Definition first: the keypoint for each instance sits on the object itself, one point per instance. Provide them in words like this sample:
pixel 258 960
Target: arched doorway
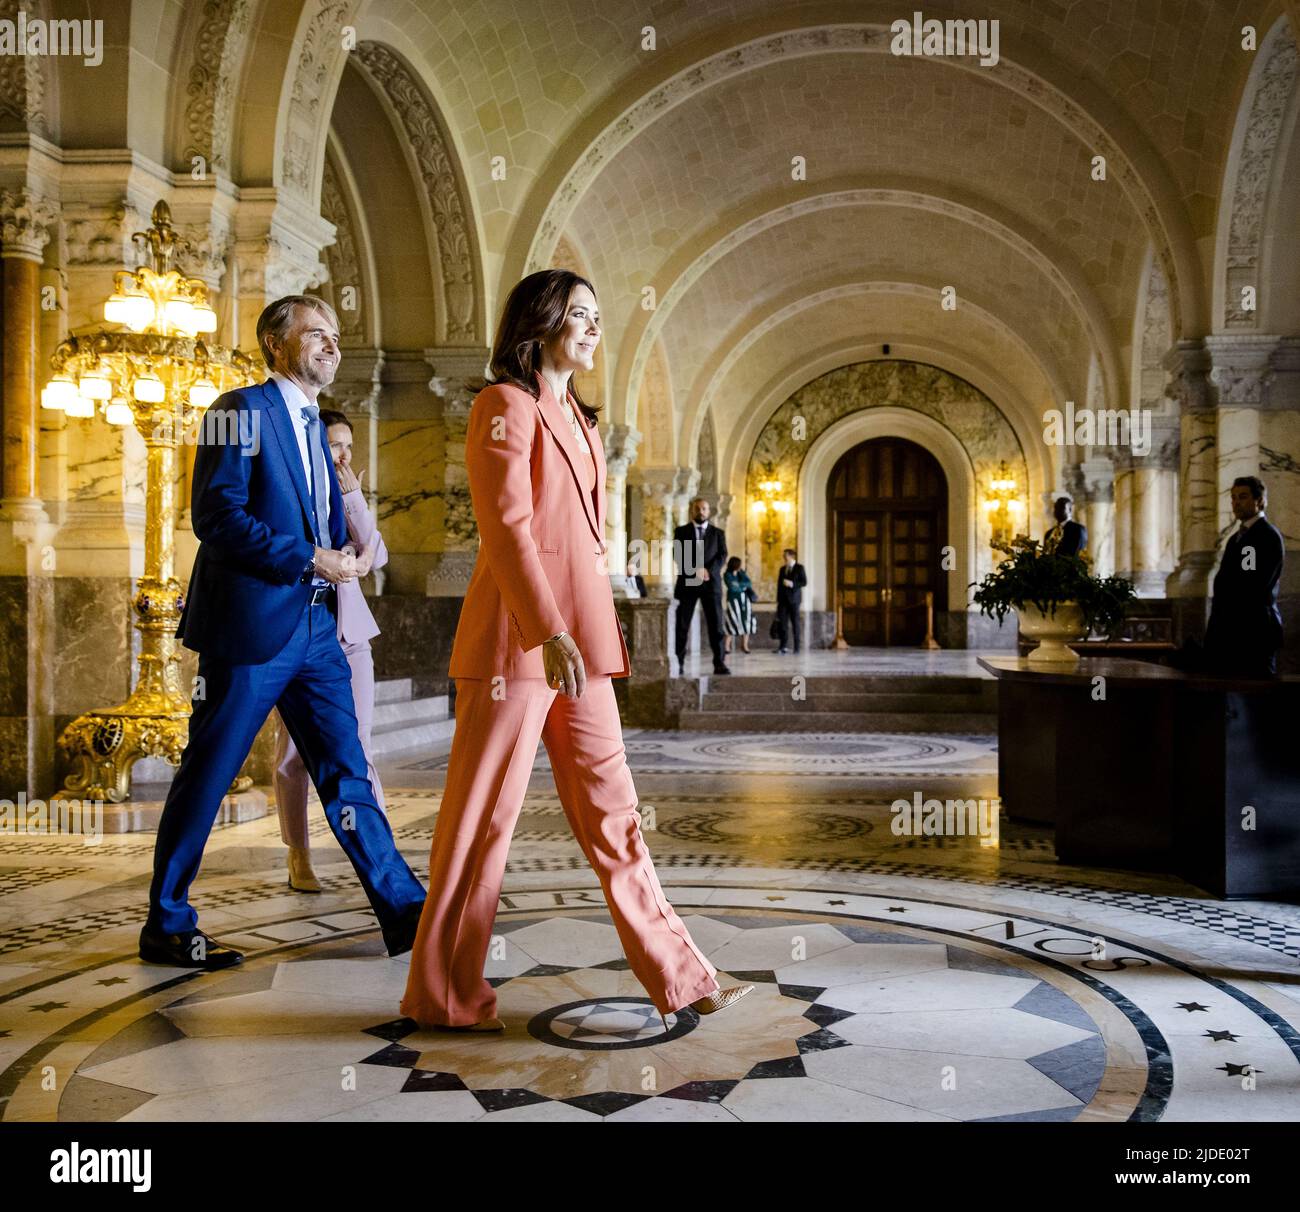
pixel 887 518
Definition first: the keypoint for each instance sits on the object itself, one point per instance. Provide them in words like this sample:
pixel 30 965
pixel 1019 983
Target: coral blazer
pixel 541 565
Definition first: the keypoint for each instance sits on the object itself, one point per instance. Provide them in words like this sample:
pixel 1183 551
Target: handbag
pixel 750 594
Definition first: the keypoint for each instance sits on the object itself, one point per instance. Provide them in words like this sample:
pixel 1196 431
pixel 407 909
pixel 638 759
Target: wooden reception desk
pixel 1145 767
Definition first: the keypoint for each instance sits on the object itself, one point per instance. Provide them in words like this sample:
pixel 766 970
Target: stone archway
pixel 887 530
pixel 863 426
pixel 802 439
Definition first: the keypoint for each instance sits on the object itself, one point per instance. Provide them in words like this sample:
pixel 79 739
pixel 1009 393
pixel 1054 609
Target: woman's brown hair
pixel 535 311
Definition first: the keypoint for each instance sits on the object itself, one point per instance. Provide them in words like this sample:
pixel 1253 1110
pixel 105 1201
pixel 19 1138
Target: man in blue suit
pixel 261 612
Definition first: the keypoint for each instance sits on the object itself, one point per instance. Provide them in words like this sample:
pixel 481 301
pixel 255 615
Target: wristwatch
pixel 309 571
pixel 555 637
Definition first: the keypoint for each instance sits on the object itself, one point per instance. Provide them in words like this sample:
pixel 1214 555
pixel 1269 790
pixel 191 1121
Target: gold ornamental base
pixel 104 745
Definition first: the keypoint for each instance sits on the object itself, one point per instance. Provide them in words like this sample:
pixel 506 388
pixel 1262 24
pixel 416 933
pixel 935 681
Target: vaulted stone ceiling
pixel 670 169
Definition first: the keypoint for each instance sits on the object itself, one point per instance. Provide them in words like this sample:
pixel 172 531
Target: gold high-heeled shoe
pixel 711 1003
pixel 301 876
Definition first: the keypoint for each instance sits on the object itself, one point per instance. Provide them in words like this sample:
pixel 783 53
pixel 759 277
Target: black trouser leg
pixel 685 612
pixel 712 604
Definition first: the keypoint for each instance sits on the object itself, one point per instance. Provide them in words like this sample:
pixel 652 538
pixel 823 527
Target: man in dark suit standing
pixel 1245 628
pixel 261 612
pixel 1067 537
pixel 790 582
pixel 700 550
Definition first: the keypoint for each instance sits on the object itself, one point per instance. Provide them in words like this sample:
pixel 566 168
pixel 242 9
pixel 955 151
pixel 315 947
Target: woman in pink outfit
pixel 535 651
pixel 357 627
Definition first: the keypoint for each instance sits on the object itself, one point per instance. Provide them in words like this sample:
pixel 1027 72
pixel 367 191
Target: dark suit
pixel 691 556
pixel 788 601
pixel 1074 539
pixel 263 643
pixel 1245 628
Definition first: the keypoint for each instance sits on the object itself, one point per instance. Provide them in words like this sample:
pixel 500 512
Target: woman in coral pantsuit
pixel 537 644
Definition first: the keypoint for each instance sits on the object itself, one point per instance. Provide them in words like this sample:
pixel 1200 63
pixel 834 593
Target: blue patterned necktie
pixel 319 475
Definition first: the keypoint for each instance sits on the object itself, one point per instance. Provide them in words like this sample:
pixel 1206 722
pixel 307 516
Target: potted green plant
pixel 1055 596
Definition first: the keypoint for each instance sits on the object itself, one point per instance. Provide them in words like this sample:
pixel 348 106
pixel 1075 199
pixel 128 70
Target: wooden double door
pixel 888 505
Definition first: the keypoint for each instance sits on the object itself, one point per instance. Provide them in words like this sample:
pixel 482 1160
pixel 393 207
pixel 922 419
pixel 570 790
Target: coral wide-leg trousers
pixel 491 758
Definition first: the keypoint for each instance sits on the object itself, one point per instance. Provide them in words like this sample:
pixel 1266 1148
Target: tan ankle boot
pixel 301 876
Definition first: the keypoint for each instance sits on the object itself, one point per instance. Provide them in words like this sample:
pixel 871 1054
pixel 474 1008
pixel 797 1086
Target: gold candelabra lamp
pixel 1003 505
pixel 157 372
pixel 772 509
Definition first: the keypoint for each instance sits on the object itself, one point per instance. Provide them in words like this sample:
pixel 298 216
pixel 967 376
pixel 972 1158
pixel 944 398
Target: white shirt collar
pixel 294 397
pixel 1249 522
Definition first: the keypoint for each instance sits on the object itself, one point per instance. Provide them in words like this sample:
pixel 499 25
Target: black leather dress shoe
pixel 720 669
pixel 192 949
pixel 400 938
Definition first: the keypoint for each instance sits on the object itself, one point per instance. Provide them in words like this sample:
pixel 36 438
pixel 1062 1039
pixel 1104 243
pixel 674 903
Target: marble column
pixel 1257 381
pixel 620 443
pixel 1153 490
pixel 1123 553
pixel 25 221
pixel 1098 501
pixel 355 393
pixel 1188 364
pixel 26 551
pixel 654 549
pixel 455 371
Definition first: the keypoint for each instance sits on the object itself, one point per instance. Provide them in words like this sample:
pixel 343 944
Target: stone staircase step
pixel 392 690
pixel 409 723
pixel 853 703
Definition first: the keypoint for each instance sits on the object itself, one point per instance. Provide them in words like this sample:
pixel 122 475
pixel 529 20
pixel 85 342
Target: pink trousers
pixel 291 778
pixel 492 755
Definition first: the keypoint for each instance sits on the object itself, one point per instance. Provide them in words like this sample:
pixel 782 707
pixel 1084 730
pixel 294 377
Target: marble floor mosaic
pixel 897 978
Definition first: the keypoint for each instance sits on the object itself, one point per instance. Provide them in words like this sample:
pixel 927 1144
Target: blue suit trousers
pixel 310 682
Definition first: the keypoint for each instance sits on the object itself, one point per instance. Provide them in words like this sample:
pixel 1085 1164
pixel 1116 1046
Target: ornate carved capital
pixel 1241 369
pixel 659 486
pixel 1188 364
pixel 687 482
pixel 357 385
pixel 26 220
pixel 209 246
pixel 621 442
pixel 270 268
pixel 1097 478
pixel 454 372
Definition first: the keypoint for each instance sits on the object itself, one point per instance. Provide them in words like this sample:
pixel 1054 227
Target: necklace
pixel 574 424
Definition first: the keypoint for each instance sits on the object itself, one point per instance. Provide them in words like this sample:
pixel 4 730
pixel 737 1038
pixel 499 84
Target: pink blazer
pixel 541 561
pixel 356 623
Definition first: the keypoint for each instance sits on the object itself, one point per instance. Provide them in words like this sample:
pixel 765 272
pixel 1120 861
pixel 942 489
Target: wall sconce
pixel 773 510
pixel 1005 508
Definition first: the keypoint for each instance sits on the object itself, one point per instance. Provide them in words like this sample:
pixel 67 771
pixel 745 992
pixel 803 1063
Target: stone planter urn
pixel 1053 632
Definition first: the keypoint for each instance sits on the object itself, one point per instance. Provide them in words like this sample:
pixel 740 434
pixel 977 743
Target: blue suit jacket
pixel 251 512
